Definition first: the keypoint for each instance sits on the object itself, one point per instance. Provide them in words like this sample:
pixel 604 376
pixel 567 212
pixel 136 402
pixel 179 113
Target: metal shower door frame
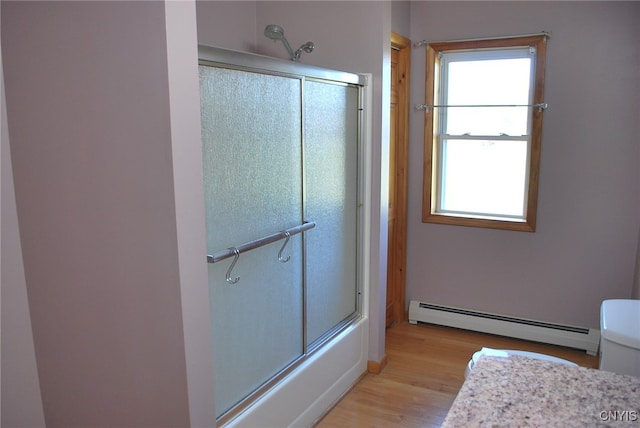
pixel 241 61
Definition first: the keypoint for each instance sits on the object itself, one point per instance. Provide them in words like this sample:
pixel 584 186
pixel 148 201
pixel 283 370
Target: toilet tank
pixel 620 336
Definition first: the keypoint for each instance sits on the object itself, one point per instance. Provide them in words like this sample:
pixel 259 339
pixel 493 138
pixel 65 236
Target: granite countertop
pixel 518 391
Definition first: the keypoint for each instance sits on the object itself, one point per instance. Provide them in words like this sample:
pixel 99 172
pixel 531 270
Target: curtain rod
pixel 427 107
pixel 546 34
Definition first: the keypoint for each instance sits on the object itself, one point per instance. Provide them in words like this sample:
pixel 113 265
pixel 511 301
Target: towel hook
pixel 286 241
pixel 236 252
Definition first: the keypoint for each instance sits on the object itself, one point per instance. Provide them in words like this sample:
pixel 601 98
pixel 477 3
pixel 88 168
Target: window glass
pixel 483 132
pixel 484 177
pixel 487 82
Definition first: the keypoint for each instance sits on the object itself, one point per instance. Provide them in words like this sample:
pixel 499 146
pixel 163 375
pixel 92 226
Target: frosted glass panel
pixel 251 136
pixel 331 160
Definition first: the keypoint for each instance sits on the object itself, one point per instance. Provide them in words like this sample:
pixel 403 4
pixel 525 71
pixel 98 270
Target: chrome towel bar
pixel 247 246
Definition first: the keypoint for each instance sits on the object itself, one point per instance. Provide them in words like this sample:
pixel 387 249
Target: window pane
pixel 484 177
pixel 487 82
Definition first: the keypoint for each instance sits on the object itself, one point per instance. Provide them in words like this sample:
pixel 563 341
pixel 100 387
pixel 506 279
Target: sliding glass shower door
pixel 331 170
pixel 253 181
pixel 280 152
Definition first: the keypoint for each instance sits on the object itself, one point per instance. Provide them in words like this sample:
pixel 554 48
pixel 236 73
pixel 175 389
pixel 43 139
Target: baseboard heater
pixel 538 331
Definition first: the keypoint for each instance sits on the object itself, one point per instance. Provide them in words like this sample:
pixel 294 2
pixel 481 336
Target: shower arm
pixel 293 56
pixel 276 32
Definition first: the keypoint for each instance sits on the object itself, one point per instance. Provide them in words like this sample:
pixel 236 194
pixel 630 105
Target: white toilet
pixel 620 336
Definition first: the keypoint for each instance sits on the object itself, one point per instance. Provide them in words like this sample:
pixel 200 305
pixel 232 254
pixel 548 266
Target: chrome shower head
pixel 307 47
pixel 276 32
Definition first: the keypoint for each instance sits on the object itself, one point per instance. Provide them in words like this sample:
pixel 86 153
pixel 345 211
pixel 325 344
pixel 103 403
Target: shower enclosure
pixel 281 153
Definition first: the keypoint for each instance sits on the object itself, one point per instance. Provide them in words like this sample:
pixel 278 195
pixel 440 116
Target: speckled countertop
pixel 522 392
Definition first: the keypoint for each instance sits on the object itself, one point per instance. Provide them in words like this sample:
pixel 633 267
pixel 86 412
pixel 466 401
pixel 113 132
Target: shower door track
pixel 209 55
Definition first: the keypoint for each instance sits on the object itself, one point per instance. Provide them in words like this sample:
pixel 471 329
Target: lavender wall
pixel 184 96
pixel 21 402
pixel 228 24
pixel 88 117
pixel 585 245
pixel 401 17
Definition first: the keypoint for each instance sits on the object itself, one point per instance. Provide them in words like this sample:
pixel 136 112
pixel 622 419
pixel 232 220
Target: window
pixel 482 132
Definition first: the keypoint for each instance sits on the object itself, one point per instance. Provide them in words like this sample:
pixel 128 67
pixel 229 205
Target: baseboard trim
pixel 570 336
pixel 376 367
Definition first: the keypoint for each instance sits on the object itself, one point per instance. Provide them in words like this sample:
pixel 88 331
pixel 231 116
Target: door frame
pixel 398 242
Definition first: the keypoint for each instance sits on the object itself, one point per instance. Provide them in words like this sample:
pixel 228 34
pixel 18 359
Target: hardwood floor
pixel 425 370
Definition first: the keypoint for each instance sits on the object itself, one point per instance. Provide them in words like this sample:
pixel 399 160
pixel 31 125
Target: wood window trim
pixel 430 156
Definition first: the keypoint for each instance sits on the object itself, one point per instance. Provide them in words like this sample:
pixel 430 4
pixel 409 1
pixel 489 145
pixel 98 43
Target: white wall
pixel 585 245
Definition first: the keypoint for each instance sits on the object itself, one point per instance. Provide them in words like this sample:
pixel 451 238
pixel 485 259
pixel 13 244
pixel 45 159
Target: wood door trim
pixel 403 46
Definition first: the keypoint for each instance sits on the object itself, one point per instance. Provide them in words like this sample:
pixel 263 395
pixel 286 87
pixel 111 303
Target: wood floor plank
pixel 425 371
